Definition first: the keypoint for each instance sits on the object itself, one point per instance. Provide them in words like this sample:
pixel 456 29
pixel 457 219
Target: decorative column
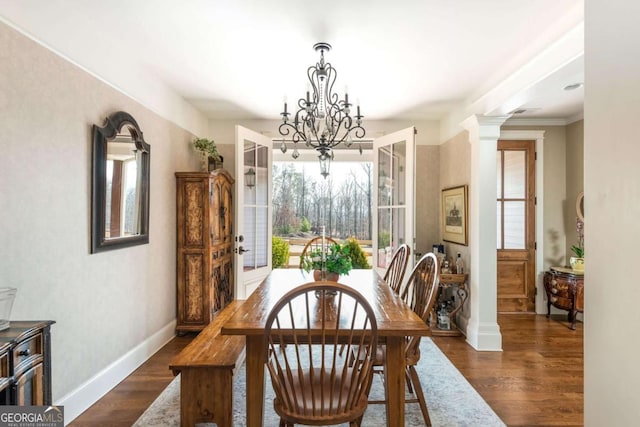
pixel 483 332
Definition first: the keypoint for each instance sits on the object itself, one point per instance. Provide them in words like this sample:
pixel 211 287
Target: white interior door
pixel 253 210
pixel 394 195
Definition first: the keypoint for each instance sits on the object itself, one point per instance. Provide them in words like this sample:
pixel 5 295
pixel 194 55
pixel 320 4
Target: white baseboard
pixel 484 336
pixel 462 322
pixel 80 399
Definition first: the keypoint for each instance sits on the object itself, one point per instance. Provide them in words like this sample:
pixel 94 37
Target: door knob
pixel 242 250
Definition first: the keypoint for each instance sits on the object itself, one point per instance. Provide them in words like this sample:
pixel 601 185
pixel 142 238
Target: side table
pixel 565 290
pixel 459 281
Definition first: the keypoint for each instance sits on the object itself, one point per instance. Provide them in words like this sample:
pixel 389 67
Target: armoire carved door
pixel 204 246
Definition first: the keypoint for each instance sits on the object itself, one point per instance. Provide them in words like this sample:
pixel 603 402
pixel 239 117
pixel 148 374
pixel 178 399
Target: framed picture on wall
pixel 454 215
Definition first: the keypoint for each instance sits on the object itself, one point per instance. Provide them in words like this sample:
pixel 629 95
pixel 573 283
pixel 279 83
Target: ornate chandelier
pixel 323 120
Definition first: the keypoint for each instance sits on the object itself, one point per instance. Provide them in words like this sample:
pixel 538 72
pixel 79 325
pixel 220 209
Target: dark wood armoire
pixel 204 246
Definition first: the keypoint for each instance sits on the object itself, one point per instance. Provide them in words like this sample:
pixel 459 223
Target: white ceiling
pixel 238 59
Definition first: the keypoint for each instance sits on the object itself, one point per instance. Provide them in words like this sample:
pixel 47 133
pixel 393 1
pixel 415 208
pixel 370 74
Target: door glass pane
pixel 385 177
pixel 514 225
pixel 249 164
pixel 262 184
pixel 249 258
pixel 514 174
pixel 399 163
pixel 391 231
pixel 499 172
pixel 499 226
pixel 261 237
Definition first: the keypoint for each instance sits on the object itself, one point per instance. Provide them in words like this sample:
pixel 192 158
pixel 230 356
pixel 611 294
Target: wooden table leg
pixel 206 396
pixel 394 381
pixel 256 357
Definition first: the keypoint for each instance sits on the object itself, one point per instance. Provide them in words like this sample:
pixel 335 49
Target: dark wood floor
pixel 536 381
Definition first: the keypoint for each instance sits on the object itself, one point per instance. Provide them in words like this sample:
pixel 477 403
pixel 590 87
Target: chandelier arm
pixel 285 129
pixel 358 132
pixel 312 73
pixel 340 122
pixel 309 126
pixel 302 104
pixel 332 75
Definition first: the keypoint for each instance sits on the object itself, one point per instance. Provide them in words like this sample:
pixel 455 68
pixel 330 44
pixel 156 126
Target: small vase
pixel 204 162
pixel 215 164
pixel 577 264
pixel 328 275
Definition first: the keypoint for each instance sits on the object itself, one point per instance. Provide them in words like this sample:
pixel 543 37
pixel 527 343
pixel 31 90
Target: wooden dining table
pixel 395 321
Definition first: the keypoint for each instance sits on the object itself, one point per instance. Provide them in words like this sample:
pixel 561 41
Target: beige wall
pixel 427 204
pixel 575 179
pixel 455 170
pixel 612 228
pixel 104 304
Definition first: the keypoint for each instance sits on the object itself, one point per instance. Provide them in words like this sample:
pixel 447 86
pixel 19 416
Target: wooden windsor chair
pixel 420 294
pixel 315 243
pixel 312 384
pixel 397 267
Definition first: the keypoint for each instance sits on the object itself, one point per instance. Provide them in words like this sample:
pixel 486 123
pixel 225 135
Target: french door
pixel 253 210
pixel 394 195
pixel 516 226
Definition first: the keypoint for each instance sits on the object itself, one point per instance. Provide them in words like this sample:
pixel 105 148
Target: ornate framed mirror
pixel 120 184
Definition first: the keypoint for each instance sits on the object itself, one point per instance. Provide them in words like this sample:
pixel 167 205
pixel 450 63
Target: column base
pixel 484 336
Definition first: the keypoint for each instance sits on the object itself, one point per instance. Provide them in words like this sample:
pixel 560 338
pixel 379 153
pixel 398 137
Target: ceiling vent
pixel 573 86
pixel 525 110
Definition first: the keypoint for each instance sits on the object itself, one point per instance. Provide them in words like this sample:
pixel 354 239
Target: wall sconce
pixel 250 178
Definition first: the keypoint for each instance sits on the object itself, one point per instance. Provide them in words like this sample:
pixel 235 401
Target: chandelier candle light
pixel 323 120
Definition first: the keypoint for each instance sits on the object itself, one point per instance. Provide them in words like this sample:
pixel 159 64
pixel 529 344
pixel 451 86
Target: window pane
pixel 514 225
pixel 262 186
pixel 499 172
pixel 250 163
pixel 385 177
pixel 514 174
pixel 249 258
pixel 399 167
pixel 261 237
pixel 499 227
pixel 391 231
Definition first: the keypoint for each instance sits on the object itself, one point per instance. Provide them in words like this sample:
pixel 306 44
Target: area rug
pixel 452 401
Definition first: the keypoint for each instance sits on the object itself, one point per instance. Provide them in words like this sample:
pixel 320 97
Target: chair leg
pixel 408 381
pixel 415 380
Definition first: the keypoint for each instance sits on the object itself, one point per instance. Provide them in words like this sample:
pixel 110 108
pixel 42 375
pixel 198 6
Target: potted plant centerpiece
pixel 577 262
pixel 211 159
pixel 328 265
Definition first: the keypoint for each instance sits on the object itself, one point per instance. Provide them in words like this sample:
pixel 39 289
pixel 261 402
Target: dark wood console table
pixel 565 290
pixel 25 363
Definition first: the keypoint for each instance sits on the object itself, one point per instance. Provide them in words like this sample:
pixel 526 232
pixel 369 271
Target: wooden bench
pixel 206 367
